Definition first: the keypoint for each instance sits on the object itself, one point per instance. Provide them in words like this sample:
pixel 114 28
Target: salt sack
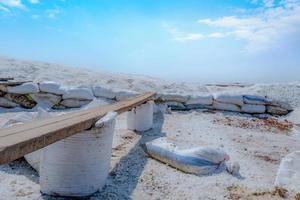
pixel 172 97
pixel 74 103
pixel 46 100
pixel 200 100
pixel 103 92
pixel 174 105
pixel 141 117
pixel 79 93
pixel 25 88
pixel 253 109
pixel 32 158
pixel 226 107
pixel 125 94
pixel 52 87
pixel 78 165
pixel 229 98
pixel 199 161
pixel 6 103
pixel 256 100
pixel 288 174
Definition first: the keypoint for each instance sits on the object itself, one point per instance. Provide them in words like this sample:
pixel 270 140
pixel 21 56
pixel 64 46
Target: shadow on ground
pixel 124 177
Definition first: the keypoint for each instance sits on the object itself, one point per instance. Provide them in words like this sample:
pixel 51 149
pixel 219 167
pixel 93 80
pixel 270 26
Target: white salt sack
pixel 253 109
pixel 256 100
pixel 46 99
pixel 141 117
pixel 6 103
pixel 202 100
pixel 226 107
pixel 275 110
pixel 25 88
pixel 125 94
pixel 103 92
pixel 74 103
pixel 79 93
pixel 288 175
pixel 78 165
pixel 172 97
pixel 229 98
pixel 52 87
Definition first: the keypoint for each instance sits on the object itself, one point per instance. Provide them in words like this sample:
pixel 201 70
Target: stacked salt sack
pixel 141 117
pixel 78 165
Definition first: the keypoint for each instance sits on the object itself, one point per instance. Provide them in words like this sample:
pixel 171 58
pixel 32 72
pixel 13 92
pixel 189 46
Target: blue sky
pixel 187 40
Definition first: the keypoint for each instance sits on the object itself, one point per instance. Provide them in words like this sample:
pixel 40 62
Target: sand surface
pixel 257 146
pixel 135 176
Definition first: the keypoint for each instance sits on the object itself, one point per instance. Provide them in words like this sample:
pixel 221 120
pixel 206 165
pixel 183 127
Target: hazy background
pixel 187 40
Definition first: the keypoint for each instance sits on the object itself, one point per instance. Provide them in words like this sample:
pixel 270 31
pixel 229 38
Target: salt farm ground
pixel 257 145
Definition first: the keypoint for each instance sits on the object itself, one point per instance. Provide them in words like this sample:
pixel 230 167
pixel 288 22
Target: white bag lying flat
pixel 199 161
pixel 288 175
pixel 25 88
pixel 229 98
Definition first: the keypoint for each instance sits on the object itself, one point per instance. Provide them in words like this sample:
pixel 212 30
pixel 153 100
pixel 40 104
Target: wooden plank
pixel 20 140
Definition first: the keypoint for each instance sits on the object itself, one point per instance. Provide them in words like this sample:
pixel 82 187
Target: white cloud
pixel 182 36
pixel 52 13
pixel 34 1
pixel 263 27
pixel 12 3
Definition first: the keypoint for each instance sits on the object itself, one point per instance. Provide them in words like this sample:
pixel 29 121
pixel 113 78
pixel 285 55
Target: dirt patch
pixel 270 124
pixel 236 192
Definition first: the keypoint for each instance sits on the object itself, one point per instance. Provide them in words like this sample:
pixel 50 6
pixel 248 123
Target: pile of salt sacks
pixel 251 104
pixel 56 96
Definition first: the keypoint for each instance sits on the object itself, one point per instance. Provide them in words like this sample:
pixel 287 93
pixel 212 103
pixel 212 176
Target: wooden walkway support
pixel 20 140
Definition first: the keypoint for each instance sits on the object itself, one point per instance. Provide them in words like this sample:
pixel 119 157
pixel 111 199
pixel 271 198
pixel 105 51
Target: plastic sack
pixel 32 158
pixel 288 175
pixel 141 117
pixel 79 93
pixel 78 165
pixel 229 98
pixel 199 161
pixel 25 88
pixel 52 87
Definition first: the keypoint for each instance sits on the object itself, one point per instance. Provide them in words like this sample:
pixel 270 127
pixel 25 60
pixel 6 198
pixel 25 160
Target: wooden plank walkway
pixel 20 140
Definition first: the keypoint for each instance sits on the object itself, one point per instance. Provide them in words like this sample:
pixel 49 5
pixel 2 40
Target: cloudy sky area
pixel 187 40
